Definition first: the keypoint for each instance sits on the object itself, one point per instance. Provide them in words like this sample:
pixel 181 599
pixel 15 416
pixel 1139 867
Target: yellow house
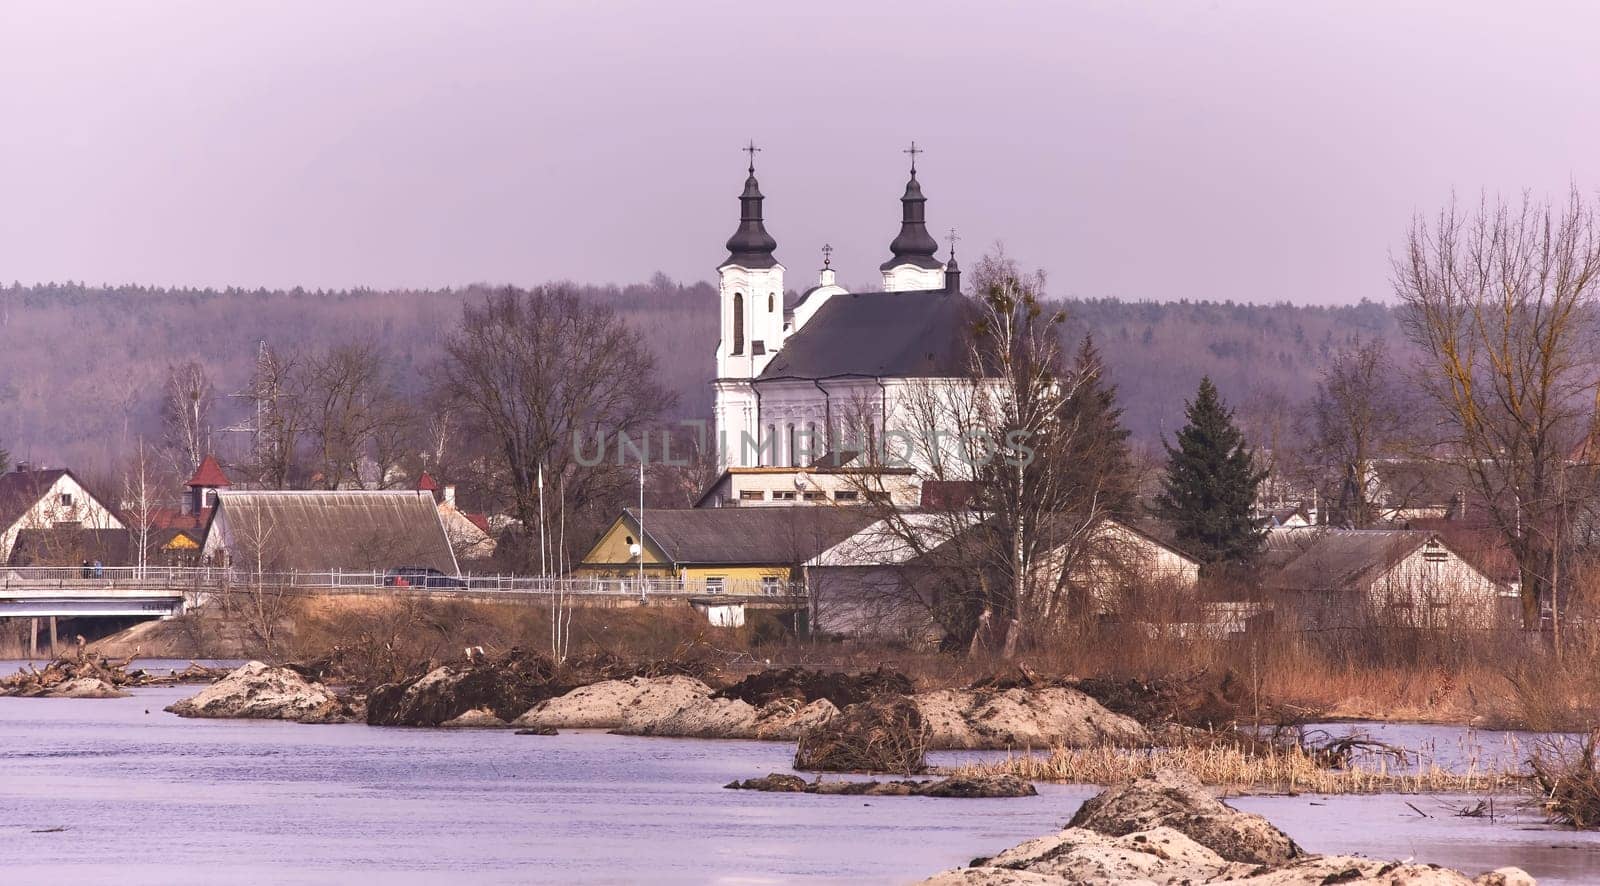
pixel 720 550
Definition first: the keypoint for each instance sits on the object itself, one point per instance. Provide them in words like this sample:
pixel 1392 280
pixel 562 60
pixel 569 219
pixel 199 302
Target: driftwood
pixel 1568 781
pixel 80 664
pixel 886 734
pixel 960 787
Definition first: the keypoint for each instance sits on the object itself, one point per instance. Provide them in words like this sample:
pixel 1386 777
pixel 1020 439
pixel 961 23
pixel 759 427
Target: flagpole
pixel 641 529
pixel 544 564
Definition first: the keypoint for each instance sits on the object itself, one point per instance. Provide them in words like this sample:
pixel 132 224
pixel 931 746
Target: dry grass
pixel 1239 771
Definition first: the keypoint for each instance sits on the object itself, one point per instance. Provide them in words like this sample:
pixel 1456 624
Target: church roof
pixel 913 334
pixel 751 246
pixel 913 245
pixel 208 474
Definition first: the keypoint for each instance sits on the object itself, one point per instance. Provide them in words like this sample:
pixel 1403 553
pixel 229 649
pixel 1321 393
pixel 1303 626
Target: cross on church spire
pixel 751 149
pixel 827 256
pixel 913 151
pixel 954 238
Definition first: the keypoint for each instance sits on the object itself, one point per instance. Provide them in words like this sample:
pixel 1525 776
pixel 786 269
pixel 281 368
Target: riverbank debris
pixel 1568 781
pixel 885 734
pixel 78 674
pixel 957 788
pixel 807 685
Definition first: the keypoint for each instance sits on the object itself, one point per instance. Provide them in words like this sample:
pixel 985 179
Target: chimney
pixel 450 494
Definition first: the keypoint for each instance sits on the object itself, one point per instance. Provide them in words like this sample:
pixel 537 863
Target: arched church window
pixel 769 302
pixel 769 445
pixel 738 323
pixel 791 453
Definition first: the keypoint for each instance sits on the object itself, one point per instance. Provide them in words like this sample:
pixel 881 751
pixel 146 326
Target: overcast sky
pixel 1257 151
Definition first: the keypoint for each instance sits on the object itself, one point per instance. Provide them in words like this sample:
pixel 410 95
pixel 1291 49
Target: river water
pixel 117 791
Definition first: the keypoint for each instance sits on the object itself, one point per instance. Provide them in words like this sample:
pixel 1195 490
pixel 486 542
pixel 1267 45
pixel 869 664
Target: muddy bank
pixel 1166 828
pixel 786 705
pixel 256 691
pixel 616 704
pixel 1018 718
pixel 954 787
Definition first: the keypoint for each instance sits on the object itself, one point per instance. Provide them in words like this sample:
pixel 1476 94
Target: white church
pixel 821 380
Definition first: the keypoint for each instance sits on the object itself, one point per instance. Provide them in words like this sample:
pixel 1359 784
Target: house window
pixel 845 495
pixel 878 498
pixel 752 495
pixel 715 584
pixel 66 499
pixel 783 496
pixel 769 585
pixel 816 496
pixel 738 323
pixel 758 347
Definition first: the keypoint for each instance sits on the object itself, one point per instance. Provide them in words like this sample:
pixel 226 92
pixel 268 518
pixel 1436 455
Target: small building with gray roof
pixel 1402 578
pixel 325 531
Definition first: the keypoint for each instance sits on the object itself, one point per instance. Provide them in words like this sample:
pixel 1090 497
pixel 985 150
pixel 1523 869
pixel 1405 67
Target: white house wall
pixel 1448 592
pixel 48 511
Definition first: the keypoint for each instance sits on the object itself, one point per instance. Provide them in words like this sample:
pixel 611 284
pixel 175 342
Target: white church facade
pixel 838 373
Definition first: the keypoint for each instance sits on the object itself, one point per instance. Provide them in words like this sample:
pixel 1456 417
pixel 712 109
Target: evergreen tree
pixel 1211 484
pixel 1101 460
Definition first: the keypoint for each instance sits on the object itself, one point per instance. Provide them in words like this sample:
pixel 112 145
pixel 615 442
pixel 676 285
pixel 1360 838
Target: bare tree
pixel 353 415
pixel 1357 417
pixel 258 601
pixel 543 374
pixel 139 504
pixel 1502 302
pixel 279 420
pixel 186 416
pixel 994 552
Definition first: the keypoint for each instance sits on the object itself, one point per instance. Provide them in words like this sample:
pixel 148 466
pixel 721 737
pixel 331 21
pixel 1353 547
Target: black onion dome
pixel 751 246
pixel 913 245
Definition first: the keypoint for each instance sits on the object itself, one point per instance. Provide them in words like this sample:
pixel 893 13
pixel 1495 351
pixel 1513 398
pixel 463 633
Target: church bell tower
pixel 911 264
pixel 751 289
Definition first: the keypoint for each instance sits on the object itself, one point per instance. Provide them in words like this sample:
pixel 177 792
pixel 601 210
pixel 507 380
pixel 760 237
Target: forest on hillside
pixel 82 368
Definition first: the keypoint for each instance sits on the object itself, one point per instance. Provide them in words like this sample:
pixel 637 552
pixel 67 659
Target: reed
pixel 1241 771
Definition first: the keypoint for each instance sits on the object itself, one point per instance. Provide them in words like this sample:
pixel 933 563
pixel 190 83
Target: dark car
pixel 420 577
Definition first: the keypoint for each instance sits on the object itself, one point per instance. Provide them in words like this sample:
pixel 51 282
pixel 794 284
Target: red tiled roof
pixel 209 473
pixel 172 518
pixel 479 521
pixel 426 483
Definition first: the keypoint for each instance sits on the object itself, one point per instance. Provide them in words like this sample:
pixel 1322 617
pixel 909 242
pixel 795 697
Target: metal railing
pixel 176 578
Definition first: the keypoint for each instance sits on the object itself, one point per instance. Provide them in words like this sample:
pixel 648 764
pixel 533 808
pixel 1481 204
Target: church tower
pixel 750 289
pixel 912 265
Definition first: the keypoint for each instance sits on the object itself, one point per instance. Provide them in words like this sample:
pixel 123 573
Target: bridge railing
pixel 203 578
